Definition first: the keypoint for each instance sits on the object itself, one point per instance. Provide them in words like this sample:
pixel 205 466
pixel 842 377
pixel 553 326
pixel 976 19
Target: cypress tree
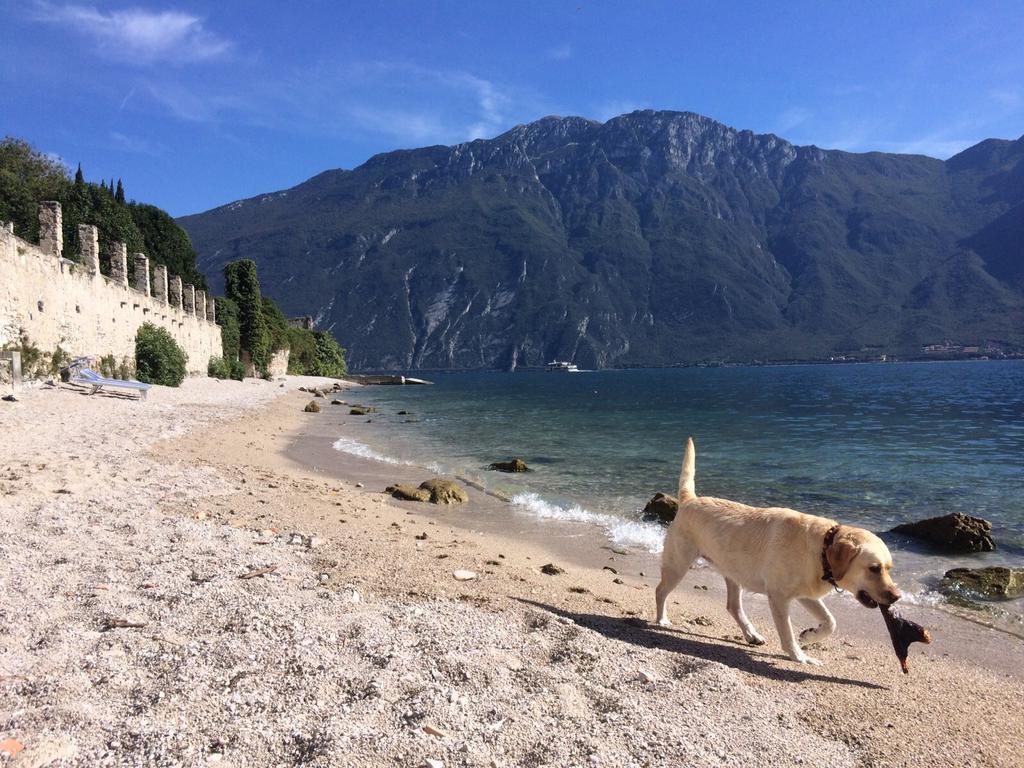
pixel 79 178
pixel 243 287
pixel 119 194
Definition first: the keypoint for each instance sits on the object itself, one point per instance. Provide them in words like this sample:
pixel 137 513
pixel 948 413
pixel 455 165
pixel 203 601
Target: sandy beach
pixel 199 579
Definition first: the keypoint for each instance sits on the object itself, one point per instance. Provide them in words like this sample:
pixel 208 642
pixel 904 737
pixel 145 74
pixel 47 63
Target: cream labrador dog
pixel 775 551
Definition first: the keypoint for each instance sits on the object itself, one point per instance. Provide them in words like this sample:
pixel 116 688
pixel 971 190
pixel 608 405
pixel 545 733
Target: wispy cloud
pixel 409 104
pixel 561 52
pixel 136 145
pixel 138 35
pixel 791 118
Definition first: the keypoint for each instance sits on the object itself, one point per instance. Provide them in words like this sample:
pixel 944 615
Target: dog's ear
pixel 842 552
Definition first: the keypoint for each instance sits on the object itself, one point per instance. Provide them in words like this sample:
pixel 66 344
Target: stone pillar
pixel 89 248
pixel 188 299
pixel 51 228
pixel 140 280
pixel 201 305
pixel 119 263
pixel 211 309
pixel 160 282
pixel 174 292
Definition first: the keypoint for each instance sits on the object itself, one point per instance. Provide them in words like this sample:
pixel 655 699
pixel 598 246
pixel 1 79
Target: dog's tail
pixel 687 489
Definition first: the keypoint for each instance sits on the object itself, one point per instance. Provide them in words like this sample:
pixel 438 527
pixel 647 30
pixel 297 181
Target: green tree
pixel 243 287
pixel 230 335
pixel 166 243
pixel 302 357
pixel 330 357
pixel 26 178
pixel 277 325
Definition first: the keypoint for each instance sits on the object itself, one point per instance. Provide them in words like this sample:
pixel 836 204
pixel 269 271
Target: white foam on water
pixel 363 451
pixel 622 532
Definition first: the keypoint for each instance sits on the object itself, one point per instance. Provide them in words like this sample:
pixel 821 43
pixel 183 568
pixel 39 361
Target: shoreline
pixel 385 431
pixel 359 647
pixel 586 544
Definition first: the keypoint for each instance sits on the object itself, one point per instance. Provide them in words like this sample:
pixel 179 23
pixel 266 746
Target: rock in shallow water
pixel 661 508
pixel 513 465
pixel 954 533
pixel 994 583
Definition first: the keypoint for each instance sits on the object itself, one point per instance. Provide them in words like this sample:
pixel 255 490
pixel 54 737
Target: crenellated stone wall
pixel 60 302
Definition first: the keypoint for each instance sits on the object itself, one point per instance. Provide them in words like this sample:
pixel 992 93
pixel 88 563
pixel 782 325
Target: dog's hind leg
pixel 826 621
pixel 735 606
pixel 780 613
pixel 675 562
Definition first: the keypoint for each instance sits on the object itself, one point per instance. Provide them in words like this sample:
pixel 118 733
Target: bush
pixel 108 367
pixel 219 368
pixel 58 360
pixel 158 358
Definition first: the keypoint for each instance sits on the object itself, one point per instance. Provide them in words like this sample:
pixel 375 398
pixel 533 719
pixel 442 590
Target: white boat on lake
pixel 561 366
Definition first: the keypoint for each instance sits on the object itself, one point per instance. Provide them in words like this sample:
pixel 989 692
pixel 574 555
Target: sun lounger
pixel 90 378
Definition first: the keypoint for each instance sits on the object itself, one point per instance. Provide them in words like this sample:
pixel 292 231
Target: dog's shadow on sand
pixel 740 656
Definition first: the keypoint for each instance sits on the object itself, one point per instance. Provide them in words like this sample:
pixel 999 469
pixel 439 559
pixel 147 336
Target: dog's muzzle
pixel 865 599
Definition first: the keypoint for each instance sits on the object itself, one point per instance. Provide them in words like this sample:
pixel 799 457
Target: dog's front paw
pixel 803 658
pixel 664 622
pixel 754 638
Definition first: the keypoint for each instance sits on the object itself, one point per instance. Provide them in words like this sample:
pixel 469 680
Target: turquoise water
pixel 870 445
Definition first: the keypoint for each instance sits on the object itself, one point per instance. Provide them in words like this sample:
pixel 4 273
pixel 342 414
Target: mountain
pixel 654 238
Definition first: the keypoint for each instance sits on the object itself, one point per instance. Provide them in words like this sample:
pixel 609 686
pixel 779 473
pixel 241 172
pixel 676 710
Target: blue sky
pixel 195 105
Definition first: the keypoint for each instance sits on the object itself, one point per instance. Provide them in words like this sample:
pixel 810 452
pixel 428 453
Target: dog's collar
pixel 830 536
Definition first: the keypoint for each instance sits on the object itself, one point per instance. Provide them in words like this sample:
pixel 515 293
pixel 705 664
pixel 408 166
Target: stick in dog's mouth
pixel 865 599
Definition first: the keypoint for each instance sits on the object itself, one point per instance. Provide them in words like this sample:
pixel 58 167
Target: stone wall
pixel 276 368
pixel 60 302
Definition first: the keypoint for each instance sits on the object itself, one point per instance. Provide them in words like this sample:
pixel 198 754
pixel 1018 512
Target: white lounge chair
pixel 90 378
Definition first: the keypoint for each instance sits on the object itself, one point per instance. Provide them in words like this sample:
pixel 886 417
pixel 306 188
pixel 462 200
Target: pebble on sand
pixel 463 575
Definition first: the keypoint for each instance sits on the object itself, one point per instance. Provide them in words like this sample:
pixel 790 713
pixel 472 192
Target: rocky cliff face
pixel 654 238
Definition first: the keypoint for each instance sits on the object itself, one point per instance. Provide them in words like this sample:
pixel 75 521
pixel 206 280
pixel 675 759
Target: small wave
pixel 622 532
pixel 363 451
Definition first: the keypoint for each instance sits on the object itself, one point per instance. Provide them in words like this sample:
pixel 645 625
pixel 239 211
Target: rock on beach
pixel 436 490
pixel 955 532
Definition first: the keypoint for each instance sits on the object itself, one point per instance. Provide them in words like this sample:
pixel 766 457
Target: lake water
pixel 869 445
